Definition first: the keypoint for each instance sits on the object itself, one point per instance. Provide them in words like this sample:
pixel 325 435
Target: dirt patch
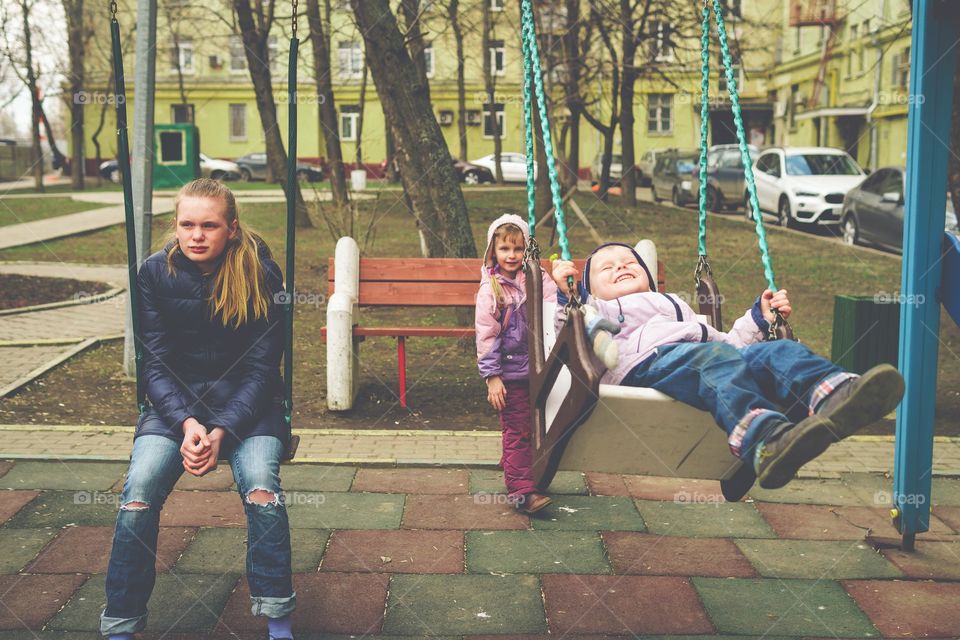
pixel 24 291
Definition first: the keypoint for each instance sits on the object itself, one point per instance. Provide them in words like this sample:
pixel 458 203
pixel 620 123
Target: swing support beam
pixel 935 25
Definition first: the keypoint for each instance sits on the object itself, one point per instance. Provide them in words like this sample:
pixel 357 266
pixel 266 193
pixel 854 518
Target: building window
pixel 497 64
pixel 238 122
pixel 238 56
pixel 493 121
pixel 181 113
pixel 272 53
pixel 796 40
pixel 349 60
pixel 181 56
pixel 854 45
pixel 496 5
pixel 660 39
pixel 794 100
pixel 659 113
pixel 901 68
pixel 349 118
pixel 430 61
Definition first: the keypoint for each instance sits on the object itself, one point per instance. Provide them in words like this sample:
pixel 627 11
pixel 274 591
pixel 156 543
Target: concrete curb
pixel 50 364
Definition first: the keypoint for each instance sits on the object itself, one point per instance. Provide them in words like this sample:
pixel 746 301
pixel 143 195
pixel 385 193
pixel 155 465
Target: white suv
pixel 804 184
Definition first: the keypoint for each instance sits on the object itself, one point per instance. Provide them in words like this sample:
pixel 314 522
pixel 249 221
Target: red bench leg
pixel 402 365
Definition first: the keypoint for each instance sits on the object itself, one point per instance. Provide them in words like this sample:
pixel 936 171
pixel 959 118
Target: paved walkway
pixel 416 553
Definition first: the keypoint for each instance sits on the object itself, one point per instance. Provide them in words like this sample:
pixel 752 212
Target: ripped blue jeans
pixel 155 467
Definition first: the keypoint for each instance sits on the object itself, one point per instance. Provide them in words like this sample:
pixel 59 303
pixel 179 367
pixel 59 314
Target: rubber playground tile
pixel 399 551
pixel 27 602
pixel 590 513
pixel 487 481
pixel 623 605
pixel 872 489
pixel 812 491
pixel 203 509
pixel 909 609
pixel 767 606
pixel 57 509
pixel 461 512
pixel 12 501
pixel 63 475
pixel 878 520
pixel 949 516
pixel 31 634
pixel 316 477
pixel 491 481
pixel 716 520
pixel 427 481
pixel 535 552
pixel 469 604
pixel 220 479
pixel 335 510
pixel 810 522
pixel 945 492
pixel 19 546
pixel 5 466
pixel 606 484
pixel 648 554
pixel 87 550
pixel 930 560
pixel 817 559
pixel 681 490
pixel 568 483
pixel 225 551
pixel 179 603
pixel 347 603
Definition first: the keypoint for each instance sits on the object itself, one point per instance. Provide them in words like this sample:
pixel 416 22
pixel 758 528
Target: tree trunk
pixel 490 86
pixel 255 46
pixel 542 194
pixel 59 160
pixel 452 13
pixel 34 101
pixel 76 44
pixel 320 39
pixel 572 58
pixel 414 37
pixel 362 106
pixel 628 180
pixel 438 202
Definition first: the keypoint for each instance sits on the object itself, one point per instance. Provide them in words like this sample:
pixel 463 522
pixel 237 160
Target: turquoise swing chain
pixel 704 117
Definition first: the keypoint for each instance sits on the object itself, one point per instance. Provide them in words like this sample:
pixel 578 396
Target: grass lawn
pixel 444 388
pixel 17 210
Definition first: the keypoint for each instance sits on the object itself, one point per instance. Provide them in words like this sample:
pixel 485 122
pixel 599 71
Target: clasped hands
pixel 200 449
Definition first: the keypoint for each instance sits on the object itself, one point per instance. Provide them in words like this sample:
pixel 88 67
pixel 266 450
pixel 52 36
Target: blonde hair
pixel 504 231
pixel 239 292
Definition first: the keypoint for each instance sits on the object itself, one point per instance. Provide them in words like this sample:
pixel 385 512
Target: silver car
pixel 873 211
pixel 725 182
pixel 616 168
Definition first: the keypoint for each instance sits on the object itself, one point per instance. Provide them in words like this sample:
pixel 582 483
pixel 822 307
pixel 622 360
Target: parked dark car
pixel 673 175
pixel 725 181
pixel 110 170
pixel 873 211
pixel 209 168
pixel 469 173
pixel 253 166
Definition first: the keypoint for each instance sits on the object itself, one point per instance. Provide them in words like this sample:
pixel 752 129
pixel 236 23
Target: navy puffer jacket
pixel 194 366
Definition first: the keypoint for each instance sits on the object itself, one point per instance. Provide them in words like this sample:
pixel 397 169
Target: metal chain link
pixel 293 23
pixel 113 10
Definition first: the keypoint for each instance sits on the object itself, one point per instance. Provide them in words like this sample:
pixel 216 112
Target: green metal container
pixel 176 155
pixel 866 331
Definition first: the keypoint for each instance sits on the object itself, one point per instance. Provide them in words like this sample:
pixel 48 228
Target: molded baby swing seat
pixel 580 424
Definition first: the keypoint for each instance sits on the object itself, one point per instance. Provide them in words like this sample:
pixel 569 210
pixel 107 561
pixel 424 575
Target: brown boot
pixel 863 401
pixel 533 502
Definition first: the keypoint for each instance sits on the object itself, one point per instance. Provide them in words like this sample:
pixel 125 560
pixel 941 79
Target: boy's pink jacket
pixel 653 319
pixel 502 333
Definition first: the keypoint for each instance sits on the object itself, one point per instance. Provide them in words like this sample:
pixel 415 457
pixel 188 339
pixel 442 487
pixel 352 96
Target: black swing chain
pixel 702 265
pixel 113 10
pixel 293 23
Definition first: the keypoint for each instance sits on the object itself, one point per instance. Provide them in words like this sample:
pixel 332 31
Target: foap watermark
pixel 96 498
pixel 697 298
pixel 303 498
pixel 97 97
pixel 300 97
pixel 886 499
pixel 696 497
pixel 913 299
pixel 490 498
pixel 300 298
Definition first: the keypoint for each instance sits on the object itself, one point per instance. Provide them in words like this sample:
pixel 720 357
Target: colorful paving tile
pixel 469 604
pixel 479 511
pixel 334 510
pixel 716 520
pixel 590 513
pixel 87 550
pixel 315 477
pixel 491 481
pixel 344 603
pixel 817 559
pixel 606 484
pixel 225 551
pixel 930 560
pixel 810 522
pixel 902 609
pixel 19 546
pixel 535 552
pixel 649 554
pixel 623 605
pixel 767 606
pixel 680 490
pixel 57 509
pixel 29 601
pixel 814 491
pixel 203 509
pixel 423 481
pixel 401 551
pixel 78 476
pixel 949 516
pixel 12 501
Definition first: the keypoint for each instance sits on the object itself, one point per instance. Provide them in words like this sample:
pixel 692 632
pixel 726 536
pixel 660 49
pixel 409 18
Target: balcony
pixel 812 13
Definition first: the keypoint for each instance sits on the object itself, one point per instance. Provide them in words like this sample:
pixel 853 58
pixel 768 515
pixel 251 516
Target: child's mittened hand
pixel 779 301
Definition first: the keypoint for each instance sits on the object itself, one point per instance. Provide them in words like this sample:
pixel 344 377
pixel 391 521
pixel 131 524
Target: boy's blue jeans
pixel 155 467
pixel 746 390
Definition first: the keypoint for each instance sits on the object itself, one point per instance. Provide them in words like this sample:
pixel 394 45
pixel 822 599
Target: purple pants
pixel 517 457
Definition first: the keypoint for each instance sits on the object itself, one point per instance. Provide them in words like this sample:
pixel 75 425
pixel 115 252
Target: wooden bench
pixel 355 282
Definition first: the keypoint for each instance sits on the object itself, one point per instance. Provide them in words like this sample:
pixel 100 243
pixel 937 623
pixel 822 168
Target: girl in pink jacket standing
pixel 501 323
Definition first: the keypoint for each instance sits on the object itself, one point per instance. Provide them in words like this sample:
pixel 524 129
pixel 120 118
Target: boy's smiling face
pixel 615 272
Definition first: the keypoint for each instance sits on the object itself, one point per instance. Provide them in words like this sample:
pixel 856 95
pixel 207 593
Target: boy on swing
pixel 780 404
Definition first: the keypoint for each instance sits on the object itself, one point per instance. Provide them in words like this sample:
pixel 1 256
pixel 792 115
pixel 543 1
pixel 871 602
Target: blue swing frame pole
pixel 935 25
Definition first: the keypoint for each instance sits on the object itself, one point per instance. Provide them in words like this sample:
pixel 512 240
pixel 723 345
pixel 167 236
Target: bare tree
pixel 490 87
pixel 610 65
pixel 453 14
pixel 173 14
pixel 437 203
pixel 79 32
pixel 634 16
pixel 320 40
pixel 255 30
pixel 21 62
